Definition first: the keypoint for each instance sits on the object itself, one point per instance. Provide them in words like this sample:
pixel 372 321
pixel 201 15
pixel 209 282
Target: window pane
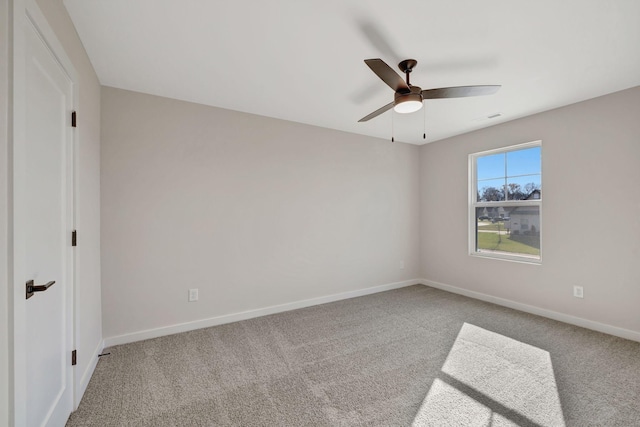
pixel 524 187
pixel 523 162
pixel 492 166
pixel 491 190
pixel 509 230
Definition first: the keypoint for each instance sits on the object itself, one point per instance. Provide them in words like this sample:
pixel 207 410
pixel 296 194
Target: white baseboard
pixel 250 314
pixel 86 375
pixel 566 318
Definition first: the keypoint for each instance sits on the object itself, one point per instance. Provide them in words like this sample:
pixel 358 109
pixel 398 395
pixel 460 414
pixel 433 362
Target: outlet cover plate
pixel 578 292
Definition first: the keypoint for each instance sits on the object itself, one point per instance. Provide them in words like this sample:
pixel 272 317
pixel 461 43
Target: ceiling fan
pixel 408 98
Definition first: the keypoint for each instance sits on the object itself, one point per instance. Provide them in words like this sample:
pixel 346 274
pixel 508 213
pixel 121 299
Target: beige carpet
pixel 414 356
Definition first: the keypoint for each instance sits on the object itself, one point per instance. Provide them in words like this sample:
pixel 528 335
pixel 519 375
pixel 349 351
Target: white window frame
pixel 474 203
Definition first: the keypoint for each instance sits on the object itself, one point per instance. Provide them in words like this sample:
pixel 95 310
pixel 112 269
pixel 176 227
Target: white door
pixel 48 210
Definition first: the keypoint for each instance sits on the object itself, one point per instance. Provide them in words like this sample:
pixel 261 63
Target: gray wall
pixel 590 213
pixel 258 212
pixel 253 211
pixel 5 324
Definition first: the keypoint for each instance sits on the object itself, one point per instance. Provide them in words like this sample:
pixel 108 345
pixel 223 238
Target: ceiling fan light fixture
pixel 407 103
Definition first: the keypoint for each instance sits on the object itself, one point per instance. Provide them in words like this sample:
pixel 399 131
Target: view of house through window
pixel 506 197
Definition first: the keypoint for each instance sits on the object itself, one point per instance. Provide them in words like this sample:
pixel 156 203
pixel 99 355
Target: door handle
pixel 31 288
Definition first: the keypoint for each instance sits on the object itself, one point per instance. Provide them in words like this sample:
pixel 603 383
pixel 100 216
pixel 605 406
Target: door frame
pixel 25 11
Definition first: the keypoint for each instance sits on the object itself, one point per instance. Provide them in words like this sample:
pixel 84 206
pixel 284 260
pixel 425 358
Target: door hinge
pixel 73 119
pixel 74 238
pixel 74 358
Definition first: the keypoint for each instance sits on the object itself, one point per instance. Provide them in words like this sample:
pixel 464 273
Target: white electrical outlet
pixel 578 292
pixel 401 264
pixel 193 295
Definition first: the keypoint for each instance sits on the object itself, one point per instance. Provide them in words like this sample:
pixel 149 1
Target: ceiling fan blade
pixel 387 74
pixel 376 113
pixel 459 91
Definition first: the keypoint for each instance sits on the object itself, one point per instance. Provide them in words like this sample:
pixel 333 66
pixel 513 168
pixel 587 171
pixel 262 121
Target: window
pixel 505 195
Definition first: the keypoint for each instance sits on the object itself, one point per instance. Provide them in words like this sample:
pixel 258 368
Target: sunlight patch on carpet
pixel 492 380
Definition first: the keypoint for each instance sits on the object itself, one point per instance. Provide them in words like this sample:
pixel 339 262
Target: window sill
pixel 520 259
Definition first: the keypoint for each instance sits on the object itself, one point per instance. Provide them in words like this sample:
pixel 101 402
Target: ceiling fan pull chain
pixel 392 129
pixel 424 125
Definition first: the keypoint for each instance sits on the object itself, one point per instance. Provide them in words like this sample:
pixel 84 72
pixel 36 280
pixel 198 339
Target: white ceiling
pixel 303 60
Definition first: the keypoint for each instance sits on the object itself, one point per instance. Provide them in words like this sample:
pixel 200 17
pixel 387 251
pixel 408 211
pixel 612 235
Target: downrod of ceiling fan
pixel 406 67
